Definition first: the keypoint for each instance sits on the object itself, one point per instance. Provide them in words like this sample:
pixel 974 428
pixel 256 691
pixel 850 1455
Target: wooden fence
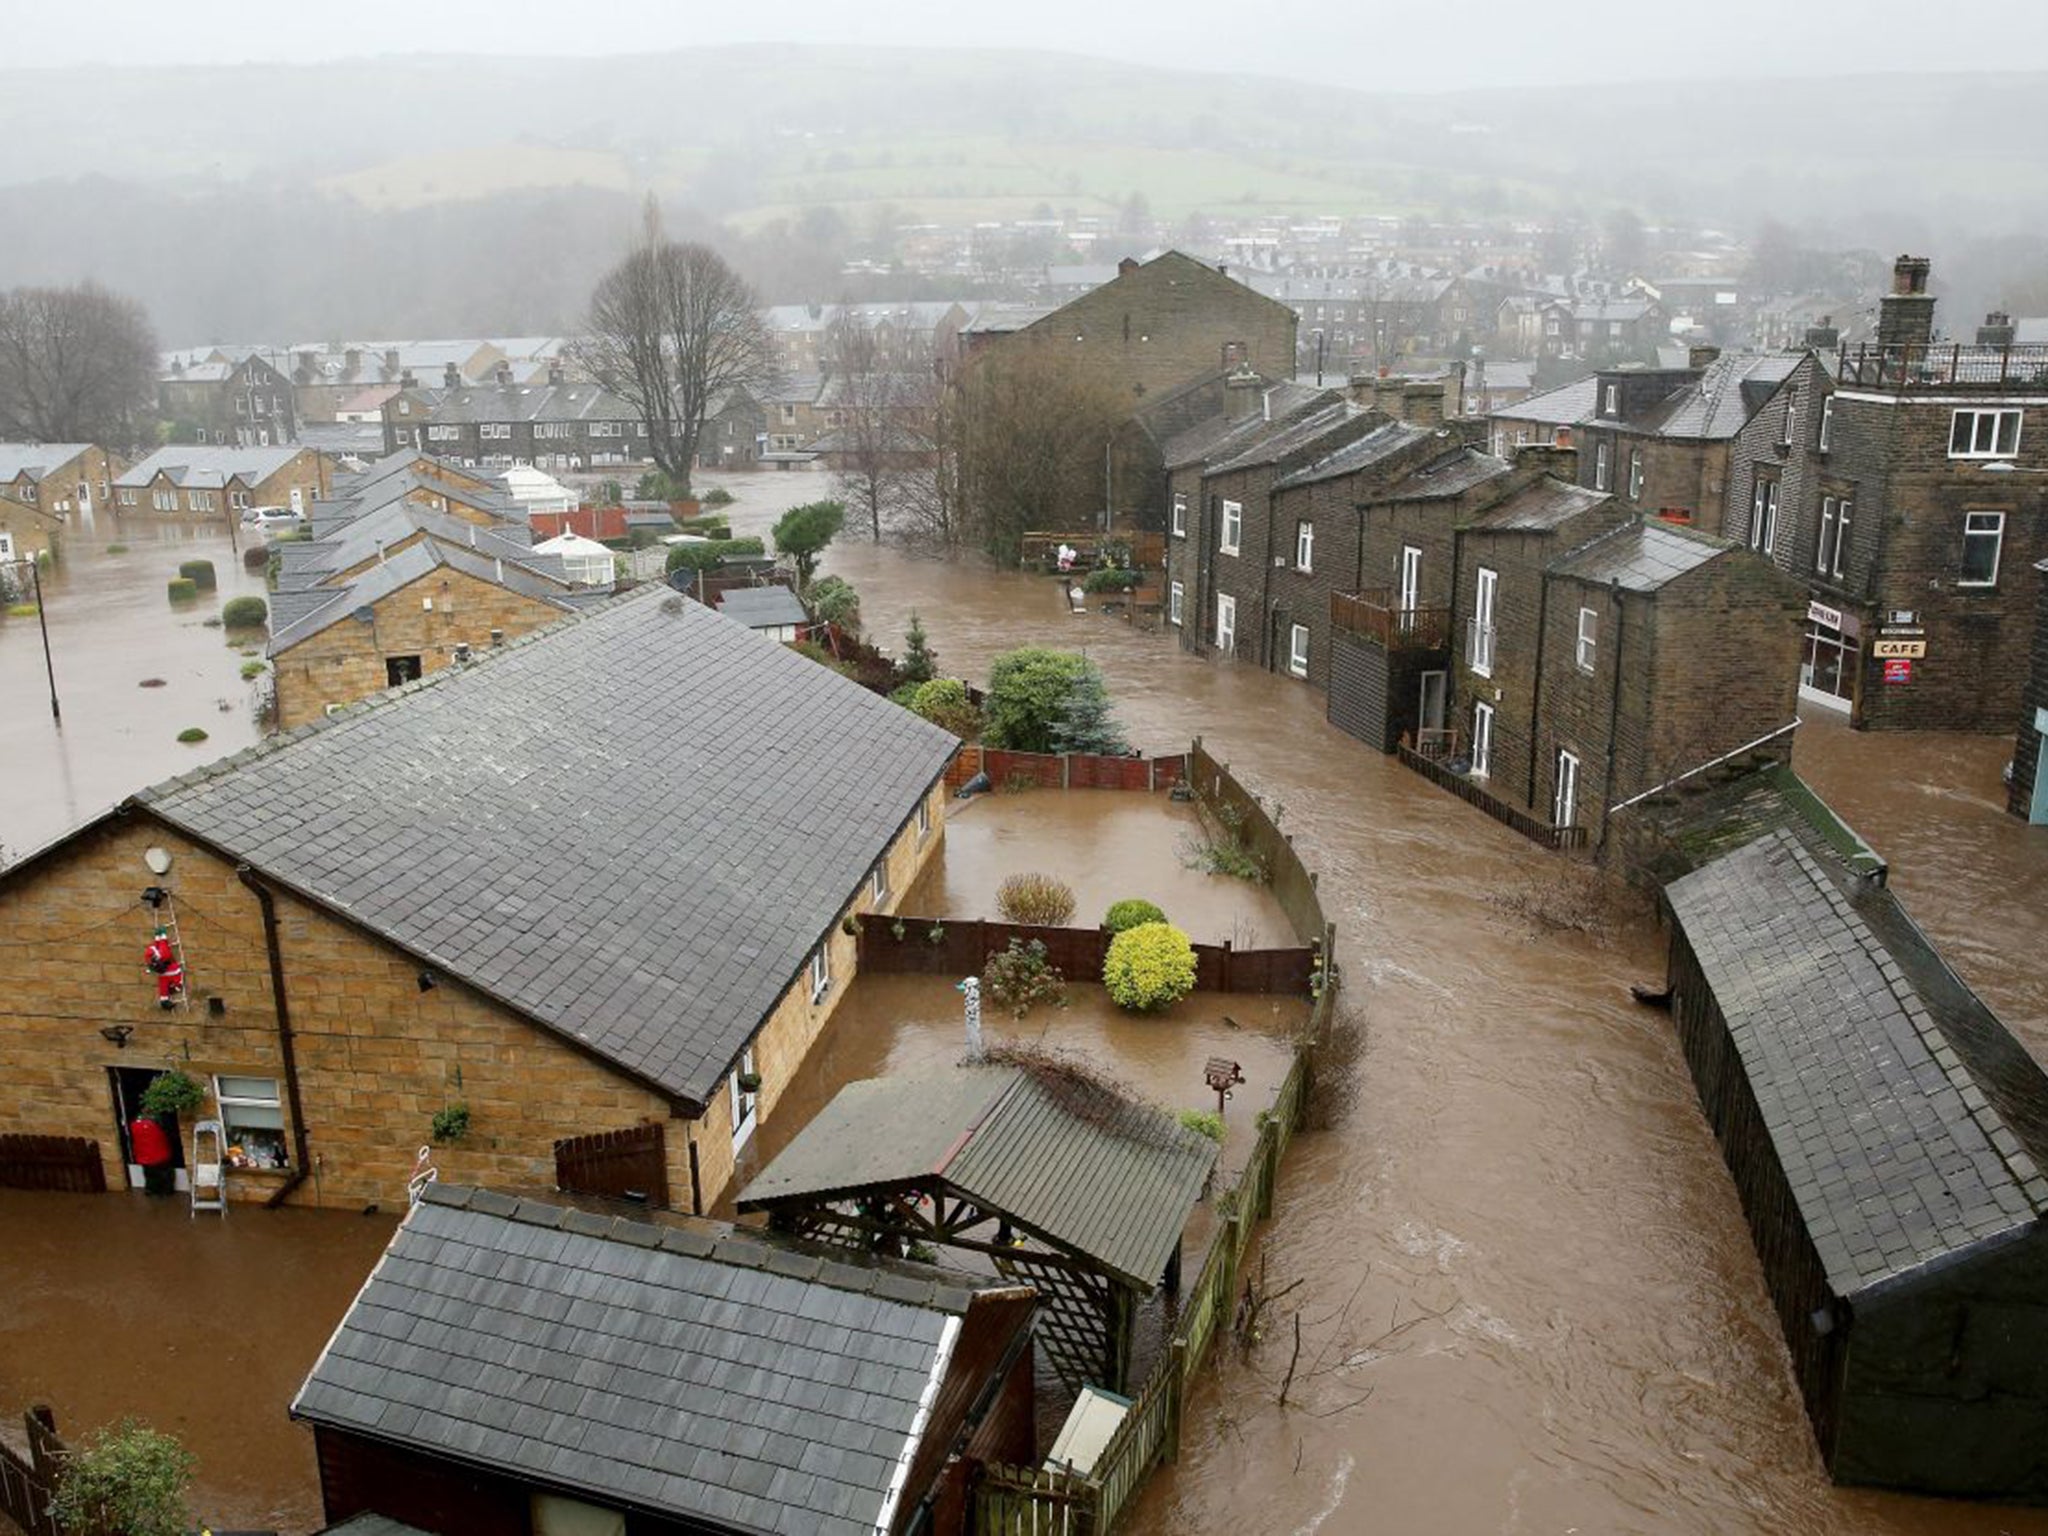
pixel 68 1164
pixel 629 1164
pixel 1533 827
pixel 1064 770
pixel 28 1473
pixel 931 946
pixel 1030 1501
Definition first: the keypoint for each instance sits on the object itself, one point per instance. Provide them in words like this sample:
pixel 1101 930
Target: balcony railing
pixel 1944 365
pixel 1378 616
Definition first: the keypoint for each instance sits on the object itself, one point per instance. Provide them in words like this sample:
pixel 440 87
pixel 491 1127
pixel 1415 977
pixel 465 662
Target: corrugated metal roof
pixel 1095 1173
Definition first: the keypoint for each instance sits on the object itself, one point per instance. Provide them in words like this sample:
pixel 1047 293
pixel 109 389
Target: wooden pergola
pixel 1060 1184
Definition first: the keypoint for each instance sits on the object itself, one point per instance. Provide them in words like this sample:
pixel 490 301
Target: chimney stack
pixel 1243 392
pixel 352 360
pixel 1422 403
pixel 1535 460
pixel 1823 337
pixel 554 373
pixel 1906 315
pixel 1997 330
pixel 390 361
pixel 1701 358
pixel 451 376
pixel 405 379
pixel 1127 266
pixel 504 373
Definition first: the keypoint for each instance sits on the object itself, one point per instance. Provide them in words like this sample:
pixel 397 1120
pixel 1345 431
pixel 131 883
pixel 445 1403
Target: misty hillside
pixel 273 197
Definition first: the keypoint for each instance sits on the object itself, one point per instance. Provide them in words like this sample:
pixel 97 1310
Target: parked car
pixel 272 517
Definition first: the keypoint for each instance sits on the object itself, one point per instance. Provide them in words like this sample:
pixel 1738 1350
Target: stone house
pixel 558 424
pixel 1924 523
pixel 564 886
pixel 735 432
pixel 59 478
pixel 2027 790
pixel 25 532
pixel 244 404
pixel 214 481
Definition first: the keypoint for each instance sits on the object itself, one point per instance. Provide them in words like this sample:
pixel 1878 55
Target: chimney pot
pixel 451 376
pixel 1905 316
pixel 1909 275
pixel 1997 330
pixel 1701 357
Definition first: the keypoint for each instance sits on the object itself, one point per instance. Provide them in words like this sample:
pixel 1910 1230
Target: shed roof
pixel 747 793
pixel 699 1372
pixel 1895 1154
pixel 1097 1174
pixel 763 607
pixel 1643 556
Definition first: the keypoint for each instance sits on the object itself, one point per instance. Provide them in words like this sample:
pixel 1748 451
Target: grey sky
pixel 1376 45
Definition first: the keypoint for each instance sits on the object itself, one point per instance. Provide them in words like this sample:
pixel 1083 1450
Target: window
pixel 1226 623
pixel 1564 803
pixel 1411 585
pixel 554 429
pixel 788 415
pixel 1603 466
pixel 443 434
pixel 125 497
pixel 878 877
pixel 253 1119
pixel 26 491
pixel 821 971
pixel 1175 596
pixel 1481 654
pixel 1304 546
pixel 1827 422
pixel 1635 473
pixel 745 1101
pixel 1297 650
pixel 1831 549
pixel 1231 530
pixel 261 405
pixel 1763 516
pixel 1610 399
pixel 1589 639
pixel 1180 516
pixel 1984 434
pixel 924 817
pixel 1482 740
pixel 401 669
pixel 1983 536
pixel 495 429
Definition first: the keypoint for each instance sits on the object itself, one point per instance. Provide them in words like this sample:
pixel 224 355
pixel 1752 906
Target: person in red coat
pixel 150 1146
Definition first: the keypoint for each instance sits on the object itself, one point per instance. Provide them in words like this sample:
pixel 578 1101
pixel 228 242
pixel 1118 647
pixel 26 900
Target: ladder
pixel 209 1174
pixel 165 920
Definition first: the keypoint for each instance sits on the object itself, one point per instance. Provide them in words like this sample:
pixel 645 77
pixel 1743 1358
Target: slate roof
pixel 1290 437
pixel 1568 405
pixel 1895 1156
pixel 209 467
pixel 1355 455
pixel 703 1373
pixel 523 402
pixel 1642 556
pixel 1451 475
pixel 763 607
pixel 401 570
pixel 308 562
pixel 1108 1178
pixel 1219 437
pixel 743 793
pixel 1538 507
pixel 1721 401
pixel 36 458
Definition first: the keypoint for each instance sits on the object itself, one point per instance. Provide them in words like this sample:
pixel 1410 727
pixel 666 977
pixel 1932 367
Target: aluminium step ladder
pixel 209 1177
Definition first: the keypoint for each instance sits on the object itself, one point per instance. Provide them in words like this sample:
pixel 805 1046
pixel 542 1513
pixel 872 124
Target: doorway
pixel 1564 804
pixel 1431 705
pixel 128 1084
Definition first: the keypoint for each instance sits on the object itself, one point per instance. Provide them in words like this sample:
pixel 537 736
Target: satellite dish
pixel 158 860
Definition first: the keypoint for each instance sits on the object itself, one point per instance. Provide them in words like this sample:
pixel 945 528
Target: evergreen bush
pixel 127 1478
pixel 1131 913
pixel 182 589
pixel 1149 967
pixel 200 574
pixel 244 612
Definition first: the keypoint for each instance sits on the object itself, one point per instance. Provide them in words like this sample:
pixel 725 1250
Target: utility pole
pixel 35 571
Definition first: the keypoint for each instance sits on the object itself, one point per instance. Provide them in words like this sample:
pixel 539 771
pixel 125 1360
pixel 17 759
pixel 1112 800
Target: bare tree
pixel 672 329
pixel 928 511
pixel 880 401
pixel 1033 438
pixel 77 365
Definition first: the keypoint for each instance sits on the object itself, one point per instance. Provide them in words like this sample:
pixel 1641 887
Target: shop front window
pixel 253 1119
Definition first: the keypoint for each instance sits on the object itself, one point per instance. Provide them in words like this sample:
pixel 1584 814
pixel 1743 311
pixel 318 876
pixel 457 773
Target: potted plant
pixel 750 1082
pixel 172 1093
pixel 451 1123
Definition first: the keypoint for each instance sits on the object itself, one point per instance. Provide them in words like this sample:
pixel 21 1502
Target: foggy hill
pixel 271 197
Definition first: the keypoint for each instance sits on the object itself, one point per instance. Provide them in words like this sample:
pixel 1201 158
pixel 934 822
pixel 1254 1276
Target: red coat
pixel 146 1139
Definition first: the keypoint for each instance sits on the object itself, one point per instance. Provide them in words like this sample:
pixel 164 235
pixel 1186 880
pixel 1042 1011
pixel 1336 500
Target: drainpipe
pixel 1613 712
pixel 1536 686
pixel 284 1035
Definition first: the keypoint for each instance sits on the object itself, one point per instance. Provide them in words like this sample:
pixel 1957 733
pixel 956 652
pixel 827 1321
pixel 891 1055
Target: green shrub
pixel 255 558
pixel 200 574
pixel 920 664
pixel 1130 913
pixel 172 1093
pixel 1110 581
pixel 822 657
pixel 657 485
pixel 702 557
pixel 251 670
pixel 1204 1122
pixel 21 610
pixel 126 1478
pixel 832 600
pixel 803 532
pixel 1049 701
pixel 117 549
pixel 182 589
pixel 1021 977
pixel 1149 967
pixel 944 702
pixel 718 496
pixel 244 612
pixel 191 734
pixel 451 1122
pixel 1037 899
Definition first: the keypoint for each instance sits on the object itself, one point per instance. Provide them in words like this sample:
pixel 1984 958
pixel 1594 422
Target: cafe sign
pixel 1899 649
pixel 1823 615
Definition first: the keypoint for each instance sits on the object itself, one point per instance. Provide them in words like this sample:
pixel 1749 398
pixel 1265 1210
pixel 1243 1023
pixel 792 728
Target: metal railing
pixel 1380 616
pixel 1943 364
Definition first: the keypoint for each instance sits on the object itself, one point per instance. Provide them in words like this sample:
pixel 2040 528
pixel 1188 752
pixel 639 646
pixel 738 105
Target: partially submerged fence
pixel 1065 770
pixel 931 946
pixel 1531 826
pixel 1032 1501
pixel 69 1164
pixel 28 1473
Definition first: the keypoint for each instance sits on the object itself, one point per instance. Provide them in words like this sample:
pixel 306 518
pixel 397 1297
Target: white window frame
pixel 1763 515
pixel 1176 596
pixel 1586 649
pixel 1226 623
pixel 924 817
pixel 1831 549
pixel 1635 474
pixel 746 1107
pixel 1827 422
pixel 1180 515
pixel 821 970
pixel 1996 532
pixel 878 880
pixel 230 1102
pixel 1603 466
pixel 1485 598
pixel 1304 545
pixel 1983 424
pixel 1297 650
pixel 1610 399
pixel 1564 794
pixel 1482 740
pixel 1230 528
pixel 1408 595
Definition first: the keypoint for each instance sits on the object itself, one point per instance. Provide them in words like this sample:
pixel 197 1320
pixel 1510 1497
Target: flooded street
pixel 111 627
pixel 1528 1298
